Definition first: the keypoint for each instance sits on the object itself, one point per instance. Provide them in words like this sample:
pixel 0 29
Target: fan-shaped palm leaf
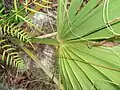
pixel 81 67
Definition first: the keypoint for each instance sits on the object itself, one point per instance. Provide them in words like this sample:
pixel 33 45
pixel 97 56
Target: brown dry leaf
pixel 104 43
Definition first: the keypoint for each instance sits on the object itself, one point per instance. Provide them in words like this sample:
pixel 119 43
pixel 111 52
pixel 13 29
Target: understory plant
pixel 16 36
pixel 15 19
pixel 87 43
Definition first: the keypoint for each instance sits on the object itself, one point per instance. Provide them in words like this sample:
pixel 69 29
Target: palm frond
pixel 81 67
pixel 98 11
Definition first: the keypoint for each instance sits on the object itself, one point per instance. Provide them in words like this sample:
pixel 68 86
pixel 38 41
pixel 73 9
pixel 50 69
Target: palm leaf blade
pixel 90 70
pixel 99 18
pixel 82 67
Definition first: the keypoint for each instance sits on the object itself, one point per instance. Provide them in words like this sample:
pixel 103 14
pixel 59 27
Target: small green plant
pixel 9 29
pixel 13 15
pixel 13 36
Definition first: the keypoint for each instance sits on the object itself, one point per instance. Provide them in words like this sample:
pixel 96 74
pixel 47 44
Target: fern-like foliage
pixel 10 17
pixel 9 55
pixel 15 31
pixel 8 31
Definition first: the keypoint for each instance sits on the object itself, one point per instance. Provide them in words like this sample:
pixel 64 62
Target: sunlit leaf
pixel 83 67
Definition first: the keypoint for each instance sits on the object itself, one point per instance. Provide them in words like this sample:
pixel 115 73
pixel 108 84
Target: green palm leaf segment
pixel 81 67
pixel 94 17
